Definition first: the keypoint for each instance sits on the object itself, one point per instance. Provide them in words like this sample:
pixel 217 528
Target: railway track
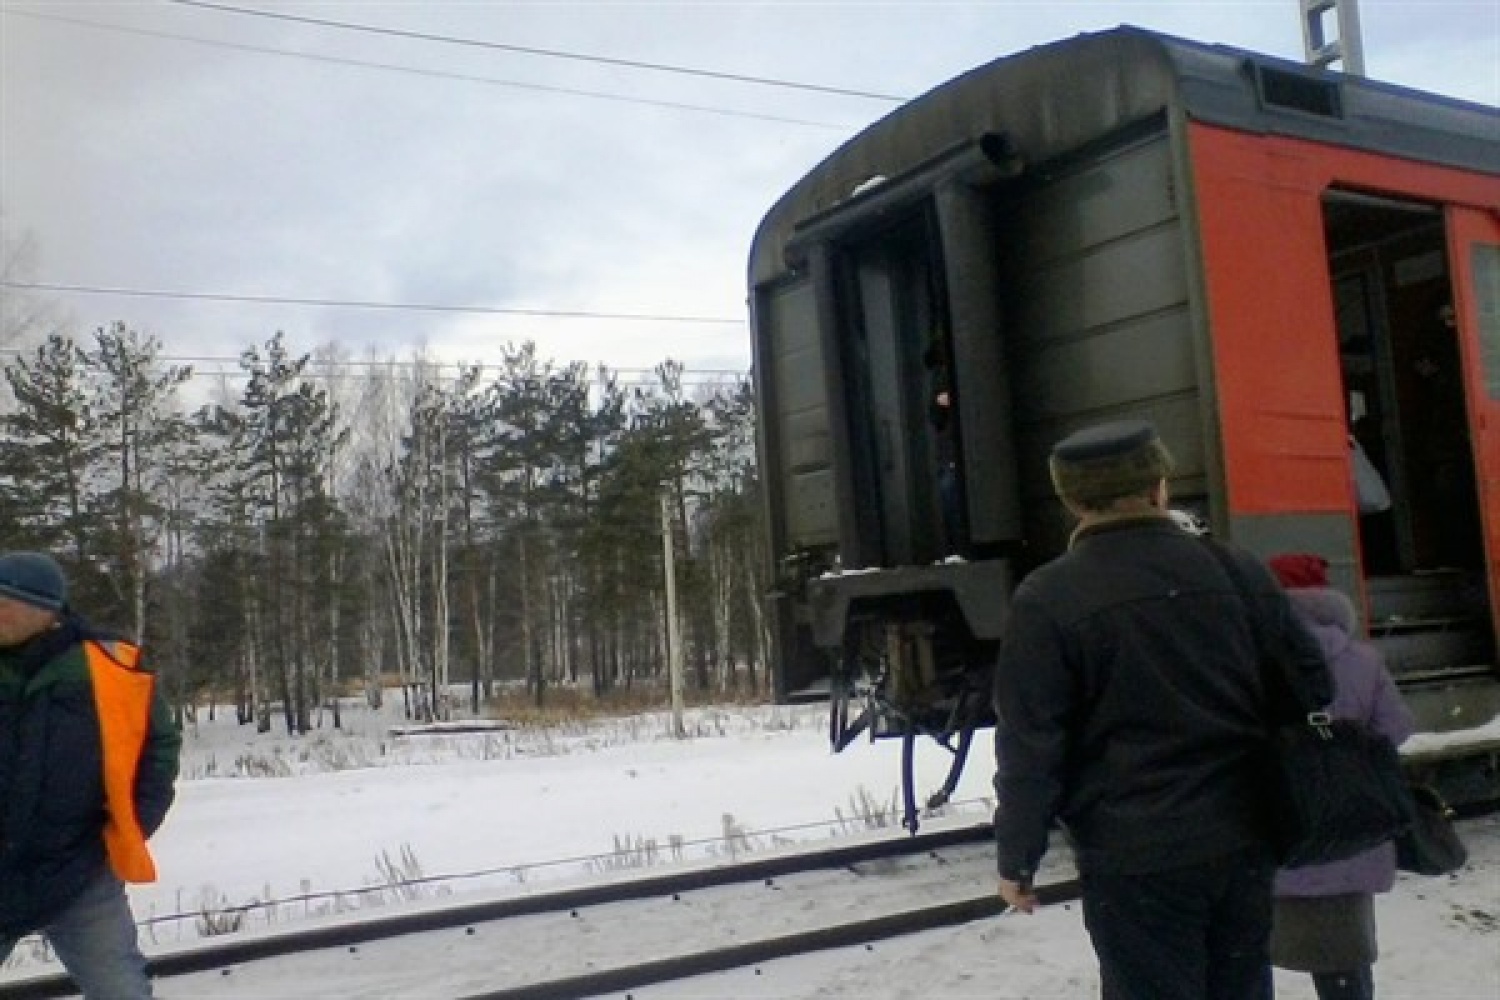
pixel 224 967
pixel 706 962
pixel 611 939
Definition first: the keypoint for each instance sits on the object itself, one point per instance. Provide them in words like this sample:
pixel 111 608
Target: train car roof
pixel 1056 98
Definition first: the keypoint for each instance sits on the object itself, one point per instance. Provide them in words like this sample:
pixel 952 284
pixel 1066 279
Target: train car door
pixel 1474 258
pixel 896 358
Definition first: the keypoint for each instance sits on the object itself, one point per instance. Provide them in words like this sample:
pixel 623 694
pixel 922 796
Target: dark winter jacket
pixel 1130 702
pixel 1363 691
pixel 52 795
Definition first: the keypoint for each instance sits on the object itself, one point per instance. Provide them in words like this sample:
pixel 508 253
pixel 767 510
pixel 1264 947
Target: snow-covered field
pixel 268 830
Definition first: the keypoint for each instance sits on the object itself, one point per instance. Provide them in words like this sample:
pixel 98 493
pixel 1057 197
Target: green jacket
pixel 52 776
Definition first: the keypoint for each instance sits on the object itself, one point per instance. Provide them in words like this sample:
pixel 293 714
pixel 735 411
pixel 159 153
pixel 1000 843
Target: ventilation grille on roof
pixel 1293 91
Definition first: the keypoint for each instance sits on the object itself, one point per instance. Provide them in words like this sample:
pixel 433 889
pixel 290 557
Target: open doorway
pixel 1422 558
pixel 904 427
pixel 1403 384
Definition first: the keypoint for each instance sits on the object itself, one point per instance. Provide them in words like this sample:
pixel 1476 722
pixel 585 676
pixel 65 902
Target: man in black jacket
pixel 88 761
pixel 1131 710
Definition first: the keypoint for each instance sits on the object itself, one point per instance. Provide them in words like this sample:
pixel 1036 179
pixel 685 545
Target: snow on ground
pixel 520 807
pixel 1439 939
pixel 334 822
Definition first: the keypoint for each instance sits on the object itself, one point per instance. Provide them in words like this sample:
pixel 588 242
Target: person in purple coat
pixel 1324 915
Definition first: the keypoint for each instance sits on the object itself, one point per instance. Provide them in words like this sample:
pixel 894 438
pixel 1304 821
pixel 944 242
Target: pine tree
pixel 48 446
pixel 132 398
pixel 289 429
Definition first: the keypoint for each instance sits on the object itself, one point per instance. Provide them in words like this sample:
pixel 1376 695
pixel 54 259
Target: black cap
pixel 1105 441
pixel 1097 465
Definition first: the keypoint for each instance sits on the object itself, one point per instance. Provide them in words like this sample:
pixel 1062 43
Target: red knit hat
pixel 1300 569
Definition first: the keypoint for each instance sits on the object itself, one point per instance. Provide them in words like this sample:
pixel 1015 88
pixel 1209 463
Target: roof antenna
pixel 1344 46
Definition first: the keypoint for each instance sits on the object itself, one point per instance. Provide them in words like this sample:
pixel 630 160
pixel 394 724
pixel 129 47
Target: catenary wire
pixel 445 372
pixel 435 74
pixel 196 359
pixel 548 53
pixel 40 286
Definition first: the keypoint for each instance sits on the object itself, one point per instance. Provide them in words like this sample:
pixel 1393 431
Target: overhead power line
pixel 415 71
pixel 548 53
pixel 329 370
pixel 40 286
pixel 318 363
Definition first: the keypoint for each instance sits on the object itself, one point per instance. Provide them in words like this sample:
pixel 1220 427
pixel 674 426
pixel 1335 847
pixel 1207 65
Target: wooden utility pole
pixel 1344 46
pixel 674 628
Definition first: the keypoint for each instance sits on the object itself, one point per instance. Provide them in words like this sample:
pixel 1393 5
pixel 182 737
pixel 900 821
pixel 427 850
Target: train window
pixel 1294 91
pixel 1487 293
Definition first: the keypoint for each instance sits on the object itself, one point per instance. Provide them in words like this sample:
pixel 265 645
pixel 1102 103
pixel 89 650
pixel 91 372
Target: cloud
pixel 140 161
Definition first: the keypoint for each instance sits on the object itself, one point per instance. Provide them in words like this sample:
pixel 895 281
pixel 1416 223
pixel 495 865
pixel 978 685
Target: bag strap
pixel 1281 677
pixel 1424 794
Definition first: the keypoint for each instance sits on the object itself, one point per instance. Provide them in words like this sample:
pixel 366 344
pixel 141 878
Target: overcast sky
pixel 278 162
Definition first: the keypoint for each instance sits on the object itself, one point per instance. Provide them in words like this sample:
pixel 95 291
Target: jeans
pixel 95 940
pixel 1195 933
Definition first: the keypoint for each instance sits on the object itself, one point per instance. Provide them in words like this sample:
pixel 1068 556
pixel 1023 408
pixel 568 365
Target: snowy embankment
pixel 268 829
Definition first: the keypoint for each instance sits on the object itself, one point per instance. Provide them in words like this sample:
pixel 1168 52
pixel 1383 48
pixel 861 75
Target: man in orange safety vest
pixel 88 763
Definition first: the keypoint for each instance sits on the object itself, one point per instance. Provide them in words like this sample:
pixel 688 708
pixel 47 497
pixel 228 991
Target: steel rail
pixel 844 935
pixel 218 954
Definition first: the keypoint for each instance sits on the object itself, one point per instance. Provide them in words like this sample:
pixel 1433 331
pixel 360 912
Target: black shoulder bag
pixel 1430 846
pixel 1335 787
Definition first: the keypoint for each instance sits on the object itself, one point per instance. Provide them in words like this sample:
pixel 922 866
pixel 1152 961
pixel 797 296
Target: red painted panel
pixel 1270 305
pixel 1468 228
pixel 1271 312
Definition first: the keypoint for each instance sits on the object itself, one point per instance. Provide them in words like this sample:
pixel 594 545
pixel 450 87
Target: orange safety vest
pixel 122 700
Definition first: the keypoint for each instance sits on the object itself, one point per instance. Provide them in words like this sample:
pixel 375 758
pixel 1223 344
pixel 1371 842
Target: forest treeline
pixel 317 524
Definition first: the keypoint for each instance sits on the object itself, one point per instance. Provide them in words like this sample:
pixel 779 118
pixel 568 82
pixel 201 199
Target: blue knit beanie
pixel 33 578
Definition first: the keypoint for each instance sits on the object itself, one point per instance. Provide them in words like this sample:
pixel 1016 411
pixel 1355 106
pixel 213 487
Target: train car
pixel 1287 269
